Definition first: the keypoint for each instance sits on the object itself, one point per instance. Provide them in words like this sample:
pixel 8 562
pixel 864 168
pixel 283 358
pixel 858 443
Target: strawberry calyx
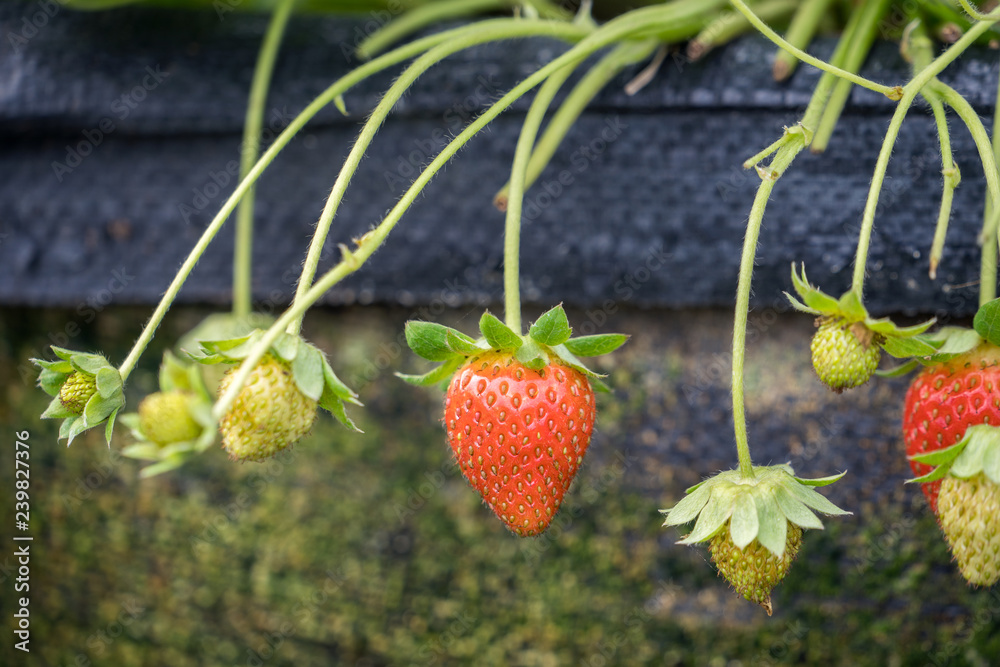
pixel 86 391
pixel 754 523
pixel 846 349
pixel 310 369
pixel 174 424
pixel 549 340
pixel 978 452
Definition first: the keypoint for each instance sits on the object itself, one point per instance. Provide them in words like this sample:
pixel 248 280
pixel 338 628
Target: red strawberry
pixel 947 398
pixel 519 435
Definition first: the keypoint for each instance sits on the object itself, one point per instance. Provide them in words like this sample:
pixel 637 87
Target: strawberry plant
pixel 520 408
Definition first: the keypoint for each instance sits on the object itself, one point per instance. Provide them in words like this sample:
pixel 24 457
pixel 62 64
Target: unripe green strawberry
pixel 754 571
pixel 968 510
pixel 77 390
pixel 844 355
pixel 270 412
pixel 165 417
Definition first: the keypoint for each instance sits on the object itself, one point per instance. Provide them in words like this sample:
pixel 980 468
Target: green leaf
pixel 63 353
pixel 744 524
pixel 51 381
pixel 795 511
pixel 308 372
pixel 957 340
pixel 174 375
pixel 596 345
pixel 286 347
pixel 334 384
pixel 991 464
pixel 429 340
pixel 145 451
pixel 89 363
pixel 109 382
pixel 56 410
pixel 498 334
pixel 109 429
pixel 77 426
pixel 851 307
pixel 970 461
pixel 98 409
pixel 336 407
pixel 813 299
pixel 987 321
pixel 572 361
pixel 941 456
pixel 62 367
pixel 814 500
pixel 459 343
pixel 532 355
pixel 689 507
pixel 440 374
pixel 820 481
pixel 67 427
pixel 715 513
pixel 552 328
pixel 161 467
pixel 218 346
pixel 773 526
pixel 905 348
pixel 898 371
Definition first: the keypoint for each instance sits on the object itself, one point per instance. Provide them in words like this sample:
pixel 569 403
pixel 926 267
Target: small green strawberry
pixel 77 390
pixel 165 417
pixel 277 404
pixel 844 354
pixel 969 512
pixel 519 410
pixel 968 504
pixel 270 413
pixel 754 524
pixel 847 348
pixel 86 391
pixel 753 570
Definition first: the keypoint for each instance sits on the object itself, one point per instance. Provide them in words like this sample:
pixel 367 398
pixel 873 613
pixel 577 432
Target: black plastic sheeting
pixel 120 135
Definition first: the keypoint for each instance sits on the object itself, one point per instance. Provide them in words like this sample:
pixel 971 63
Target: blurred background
pixel 371 549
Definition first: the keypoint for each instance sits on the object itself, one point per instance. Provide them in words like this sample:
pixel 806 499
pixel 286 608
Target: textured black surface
pixel 653 217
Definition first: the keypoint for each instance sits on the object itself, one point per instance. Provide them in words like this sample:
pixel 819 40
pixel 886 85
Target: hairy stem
pixel 243 250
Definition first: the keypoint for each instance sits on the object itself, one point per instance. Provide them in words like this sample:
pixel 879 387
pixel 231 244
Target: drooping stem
pixel 250 150
pixel 515 197
pixel 782 159
pixel 636 22
pixel 991 215
pixel 486 31
pixel 764 29
pixel 328 96
pixel 910 91
pixel 800 32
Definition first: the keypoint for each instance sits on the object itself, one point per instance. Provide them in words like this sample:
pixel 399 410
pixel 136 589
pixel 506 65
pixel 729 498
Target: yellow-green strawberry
pixel 969 514
pixel 753 570
pixel 165 417
pixel 269 415
pixel 77 390
pixel 844 354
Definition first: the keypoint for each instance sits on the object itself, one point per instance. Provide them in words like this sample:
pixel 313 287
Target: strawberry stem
pixel 910 91
pixel 243 251
pixel 765 30
pixel 800 32
pixel 515 194
pixel 329 95
pixel 478 33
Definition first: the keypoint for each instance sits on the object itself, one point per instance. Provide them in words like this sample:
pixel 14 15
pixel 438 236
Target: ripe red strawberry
pixel 947 398
pixel 519 435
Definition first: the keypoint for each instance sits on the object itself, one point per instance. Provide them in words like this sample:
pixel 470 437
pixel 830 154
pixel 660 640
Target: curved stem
pixel 486 31
pixel 329 95
pixel 596 78
pixel 243 247
pixel 910 91
pixel 800 32
pixel 740 5
pixel 615 30
pixel 784 157
pixel 951 97
pixel 515 199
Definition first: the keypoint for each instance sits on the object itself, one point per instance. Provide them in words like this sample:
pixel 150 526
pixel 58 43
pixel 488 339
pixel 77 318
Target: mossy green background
pixel 372 550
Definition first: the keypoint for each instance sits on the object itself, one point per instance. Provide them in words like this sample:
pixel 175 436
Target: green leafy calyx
pixel 549 340
pixel 758 508
pixel 86 391
pixel 977 452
